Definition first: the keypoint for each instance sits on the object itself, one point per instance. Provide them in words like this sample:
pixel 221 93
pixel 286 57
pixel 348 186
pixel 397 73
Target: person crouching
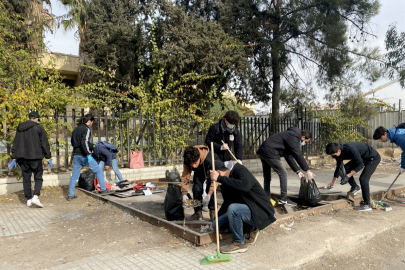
pixel 246 208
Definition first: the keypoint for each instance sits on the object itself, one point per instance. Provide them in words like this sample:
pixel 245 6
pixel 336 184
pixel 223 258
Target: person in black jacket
pixel 361 156
pixel 226 130
pixel 30 146
pixel 246 208
pixel 82 150
pixel 284 144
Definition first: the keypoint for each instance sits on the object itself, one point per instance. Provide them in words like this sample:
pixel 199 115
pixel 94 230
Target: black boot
pixel 196 216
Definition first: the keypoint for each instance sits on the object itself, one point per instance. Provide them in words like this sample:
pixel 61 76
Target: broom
pixel 218 257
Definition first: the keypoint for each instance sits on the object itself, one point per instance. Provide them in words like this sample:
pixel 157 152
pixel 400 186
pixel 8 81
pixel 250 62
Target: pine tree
pixel 312 34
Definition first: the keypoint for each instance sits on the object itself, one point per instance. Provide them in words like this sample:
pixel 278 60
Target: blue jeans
pixel 78 163
pixel 114 165
pixel 237 220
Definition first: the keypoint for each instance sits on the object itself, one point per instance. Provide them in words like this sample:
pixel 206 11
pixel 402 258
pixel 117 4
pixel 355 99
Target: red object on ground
pixel 139 186
pixel 96 184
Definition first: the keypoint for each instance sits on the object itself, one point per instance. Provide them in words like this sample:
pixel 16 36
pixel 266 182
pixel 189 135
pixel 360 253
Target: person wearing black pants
pixel 197 189
pixel 30 146
pixel 284 144
pixel 361 156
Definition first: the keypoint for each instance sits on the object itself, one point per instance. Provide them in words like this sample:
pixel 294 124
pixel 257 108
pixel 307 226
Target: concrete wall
pixel 11 184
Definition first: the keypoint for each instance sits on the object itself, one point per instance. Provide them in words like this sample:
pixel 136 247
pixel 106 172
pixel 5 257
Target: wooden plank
pixel 288 209
pixel 176 227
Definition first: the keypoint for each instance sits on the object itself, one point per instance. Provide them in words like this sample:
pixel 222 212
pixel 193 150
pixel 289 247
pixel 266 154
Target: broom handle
pixel 215 197
pixel 390 187
pixel 230 152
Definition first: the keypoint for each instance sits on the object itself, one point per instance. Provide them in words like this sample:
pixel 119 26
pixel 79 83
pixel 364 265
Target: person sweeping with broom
pixel 246 208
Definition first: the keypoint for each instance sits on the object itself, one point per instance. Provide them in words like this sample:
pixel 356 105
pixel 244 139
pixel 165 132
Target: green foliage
pixel 395 45
pixel 341 129
pixel 358 106
pixel 26 83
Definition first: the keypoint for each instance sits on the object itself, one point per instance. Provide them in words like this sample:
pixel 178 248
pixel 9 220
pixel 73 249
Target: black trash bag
pixel 309 193
pixel 173 176
pixel 174 203
pixel 86 180
pixel 303 190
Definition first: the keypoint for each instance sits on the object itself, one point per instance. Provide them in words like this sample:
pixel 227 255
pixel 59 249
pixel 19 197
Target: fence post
pixel 57 144
pixel 400 112
pixel 98 125
pixel 66 142
pixel 121 140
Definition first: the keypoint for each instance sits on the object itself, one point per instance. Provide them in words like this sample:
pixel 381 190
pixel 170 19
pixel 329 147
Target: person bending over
pixel 361 156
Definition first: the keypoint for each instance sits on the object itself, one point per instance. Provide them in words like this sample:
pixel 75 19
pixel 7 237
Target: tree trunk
pixel 275 65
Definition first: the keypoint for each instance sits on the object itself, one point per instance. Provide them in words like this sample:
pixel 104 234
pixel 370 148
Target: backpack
pixel 109 146
pixel 400 126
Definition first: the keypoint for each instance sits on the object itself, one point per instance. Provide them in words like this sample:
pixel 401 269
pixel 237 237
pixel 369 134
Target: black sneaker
pixel 355 190
pixel 287 201
pixel 364 207
pixel 107 192
pixel 69 198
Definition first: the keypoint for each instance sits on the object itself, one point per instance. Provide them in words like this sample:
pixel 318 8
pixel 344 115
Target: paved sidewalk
pixel 182 258
pixel 18 218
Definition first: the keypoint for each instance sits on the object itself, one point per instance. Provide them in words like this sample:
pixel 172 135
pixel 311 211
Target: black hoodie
pixel 30 142
pixel 242 187
pixel 285 144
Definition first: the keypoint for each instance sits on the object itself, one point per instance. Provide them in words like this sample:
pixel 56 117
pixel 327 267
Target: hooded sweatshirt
pixel 397 136
pixel 30 142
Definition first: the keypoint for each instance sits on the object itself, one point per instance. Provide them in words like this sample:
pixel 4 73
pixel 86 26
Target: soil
pixel 86 226
pixel 83 227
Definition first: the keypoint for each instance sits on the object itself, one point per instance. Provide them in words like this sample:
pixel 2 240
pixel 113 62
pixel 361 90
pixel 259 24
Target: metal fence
pixel 159 140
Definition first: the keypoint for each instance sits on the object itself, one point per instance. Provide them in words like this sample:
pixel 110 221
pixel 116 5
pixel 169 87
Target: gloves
pixel 206 199
pixel 12 164
pixel 300 175
pixel 49 162
pixel 90 159
pixel 239 161
pixel 224 146
pixel 344 180
pixel 401 170
pixel 310 175
pixel 185 198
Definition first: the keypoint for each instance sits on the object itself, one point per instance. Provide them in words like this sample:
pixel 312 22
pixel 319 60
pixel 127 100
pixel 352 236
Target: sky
pixel 391 11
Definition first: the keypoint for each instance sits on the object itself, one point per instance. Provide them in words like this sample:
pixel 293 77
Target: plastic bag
pixel 86 180
pixel 136 160
pixel 173 176
pixel 173 203
pixel 309 193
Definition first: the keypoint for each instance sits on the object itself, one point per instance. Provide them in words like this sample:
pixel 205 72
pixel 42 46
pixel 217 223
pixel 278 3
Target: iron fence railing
pixel 159 140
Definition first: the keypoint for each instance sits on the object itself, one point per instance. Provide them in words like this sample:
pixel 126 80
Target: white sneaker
pixel 37 203
pixel 29 203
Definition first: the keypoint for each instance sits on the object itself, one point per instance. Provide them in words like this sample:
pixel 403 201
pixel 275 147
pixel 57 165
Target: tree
pixel 316 36
pixel 76 17
pixel 186 45
pixel 355 105
pixel 26 83
pixel 32 14
pixel 395 45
